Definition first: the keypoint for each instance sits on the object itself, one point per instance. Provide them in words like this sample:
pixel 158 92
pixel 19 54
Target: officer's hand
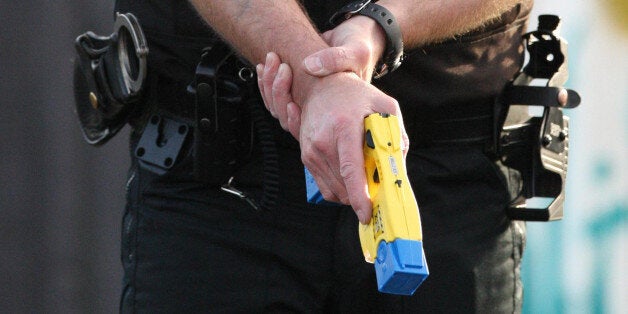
pixel 275 82
pixel 356 46
pixel 331 136
pixel 329 126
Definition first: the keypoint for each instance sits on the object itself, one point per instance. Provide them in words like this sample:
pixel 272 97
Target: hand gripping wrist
pixel 393 53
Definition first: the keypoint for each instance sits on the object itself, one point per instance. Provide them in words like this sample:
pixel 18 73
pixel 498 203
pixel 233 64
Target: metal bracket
pixel 160 144
pixel 538 147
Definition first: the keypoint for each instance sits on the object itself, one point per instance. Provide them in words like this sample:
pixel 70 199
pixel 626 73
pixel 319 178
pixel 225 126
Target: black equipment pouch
pixel 224 131
pixel 537 146
pixel 109 74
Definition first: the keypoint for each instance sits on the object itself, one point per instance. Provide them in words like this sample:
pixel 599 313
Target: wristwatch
pixel 393 53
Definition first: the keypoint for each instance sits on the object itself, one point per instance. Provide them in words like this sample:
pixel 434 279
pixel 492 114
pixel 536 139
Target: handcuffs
pixel 109 75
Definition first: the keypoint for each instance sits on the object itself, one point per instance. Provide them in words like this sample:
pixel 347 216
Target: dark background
pixel 61 200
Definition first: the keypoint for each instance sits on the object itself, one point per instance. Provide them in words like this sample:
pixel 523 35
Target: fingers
pixel 260 84
pixel 280 94
pixel 280 89
pixel 351 165
pixel 405 140
pixel 328 189
pixel 335 159
pixel 265 81
pixel 391 106
pixel 331 142
pixel 275 82
pixel 321 169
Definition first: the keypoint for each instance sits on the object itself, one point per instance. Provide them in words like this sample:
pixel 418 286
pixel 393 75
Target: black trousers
pixel 190 248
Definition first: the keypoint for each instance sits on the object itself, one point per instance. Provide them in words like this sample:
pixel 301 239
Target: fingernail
pixel 313 64
pixel 360 214
pixel 281 72
pixel 362 217
pixel 267 62
pixel 259 68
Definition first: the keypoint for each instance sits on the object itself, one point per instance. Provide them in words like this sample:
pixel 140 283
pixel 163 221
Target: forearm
pixel 255 28
pixel 428 21
pixel 360 42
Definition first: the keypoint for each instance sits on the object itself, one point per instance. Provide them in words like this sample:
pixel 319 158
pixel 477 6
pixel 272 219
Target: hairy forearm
pixel 256 27
pixel 428 21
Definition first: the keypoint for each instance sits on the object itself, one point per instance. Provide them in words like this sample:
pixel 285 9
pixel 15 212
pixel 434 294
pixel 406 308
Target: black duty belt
pixel 464 125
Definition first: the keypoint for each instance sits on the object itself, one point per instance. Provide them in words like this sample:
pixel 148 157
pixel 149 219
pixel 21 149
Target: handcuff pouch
pixel 109 74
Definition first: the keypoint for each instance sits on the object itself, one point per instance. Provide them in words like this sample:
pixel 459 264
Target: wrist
pixel 306 87
pixel 393 52
pixel 374 43
pixel 302 85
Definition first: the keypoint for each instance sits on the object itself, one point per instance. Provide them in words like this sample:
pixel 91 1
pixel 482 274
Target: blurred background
pixel 61 201
pixel 579 264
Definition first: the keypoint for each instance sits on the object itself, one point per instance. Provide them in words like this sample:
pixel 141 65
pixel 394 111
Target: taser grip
pixel 392 240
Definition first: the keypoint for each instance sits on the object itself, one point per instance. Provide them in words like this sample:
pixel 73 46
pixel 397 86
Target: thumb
pixel 331 60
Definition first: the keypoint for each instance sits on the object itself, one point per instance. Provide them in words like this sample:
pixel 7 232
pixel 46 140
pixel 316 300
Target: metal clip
pixel 227 187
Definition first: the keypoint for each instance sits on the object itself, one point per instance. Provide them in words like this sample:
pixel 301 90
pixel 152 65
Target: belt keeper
pixel 217 118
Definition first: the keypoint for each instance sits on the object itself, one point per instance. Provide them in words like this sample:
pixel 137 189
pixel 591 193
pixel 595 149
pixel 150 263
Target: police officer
pixel 188 246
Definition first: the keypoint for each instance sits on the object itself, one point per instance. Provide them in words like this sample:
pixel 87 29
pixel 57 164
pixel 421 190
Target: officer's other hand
pixel 356 46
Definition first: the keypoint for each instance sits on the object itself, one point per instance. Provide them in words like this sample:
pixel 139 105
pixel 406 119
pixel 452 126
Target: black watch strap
pixel 393 54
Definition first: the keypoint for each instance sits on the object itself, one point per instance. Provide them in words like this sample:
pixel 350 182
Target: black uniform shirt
pixel 448 81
